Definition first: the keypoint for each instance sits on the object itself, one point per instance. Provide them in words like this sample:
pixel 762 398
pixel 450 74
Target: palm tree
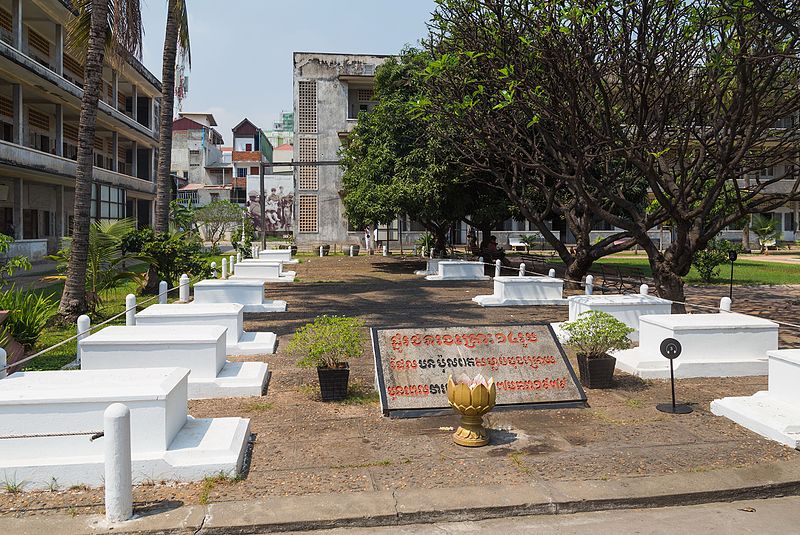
pixel 176 49
pixel 100 27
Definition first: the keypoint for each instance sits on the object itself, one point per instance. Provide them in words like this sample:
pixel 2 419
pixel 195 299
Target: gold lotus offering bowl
pixel 471 398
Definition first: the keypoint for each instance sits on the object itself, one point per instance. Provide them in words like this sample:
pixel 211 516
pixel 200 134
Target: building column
pixel 153 164
pixel 115 149
pixel 115 88
pixel 16 24
pixel 59 230
pixel 59 130
pixel 18 136
pixel 135 100
pixel 18 185
pixel 58 60
pixel 135 162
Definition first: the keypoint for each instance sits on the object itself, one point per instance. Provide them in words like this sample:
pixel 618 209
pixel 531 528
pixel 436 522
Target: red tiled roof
pixel 285 146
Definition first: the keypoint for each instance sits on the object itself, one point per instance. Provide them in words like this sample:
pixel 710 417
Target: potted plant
pixel 592 336
pixel 326 249
pixel 356 249
pixel 326 344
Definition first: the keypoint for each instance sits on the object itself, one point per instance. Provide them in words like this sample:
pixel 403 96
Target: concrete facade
pixel 197 158
pixel 40 96
pixel 329 92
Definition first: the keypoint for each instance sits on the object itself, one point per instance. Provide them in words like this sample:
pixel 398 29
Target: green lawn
pixel 746 270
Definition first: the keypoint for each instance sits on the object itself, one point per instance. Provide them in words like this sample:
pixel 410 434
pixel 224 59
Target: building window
pixel 238 196
pixel 307 213
pixel 254 170
pixel 30 224
pixel 307 107
pixel 214 197
pixel 241 172
pixel 308 175
pixel 108 203
pixel 189 197
pixel 767 172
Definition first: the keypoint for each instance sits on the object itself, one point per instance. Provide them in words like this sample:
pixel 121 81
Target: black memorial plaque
pixel 527 363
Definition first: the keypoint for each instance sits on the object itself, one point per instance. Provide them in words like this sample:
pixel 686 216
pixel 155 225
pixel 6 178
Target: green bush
pixel 596 333
pixel 708 261
pixel 28 314
pixel 327 342
pixel 236 237
pixel 170 253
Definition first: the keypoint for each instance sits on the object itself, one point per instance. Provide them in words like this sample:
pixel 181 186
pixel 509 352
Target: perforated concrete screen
pixel 307 107
pixel 308 176
pixel 307 213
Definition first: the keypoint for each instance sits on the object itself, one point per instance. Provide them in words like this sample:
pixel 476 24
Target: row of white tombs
pixel 177 352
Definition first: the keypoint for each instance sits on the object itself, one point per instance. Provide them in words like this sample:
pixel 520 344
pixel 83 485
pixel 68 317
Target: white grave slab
pixel 524 291
pixel 431 268
pixel 279 255
pixel 775 412
pixel 458 270
pixel 229 315
pixel 247 292
pixel 714 345
pixel 626 308
pixel 166 443
pixel 262 269
pixel 200 348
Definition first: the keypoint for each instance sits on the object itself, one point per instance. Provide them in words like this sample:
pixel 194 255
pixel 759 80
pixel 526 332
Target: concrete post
pixel 115 150
pixel 162 292
pixel 431 252
pixel 224 268
pixel 58 60
pixel 239 256
pixel 551 273
pixel 497 265
pixel 320 250
pixel 135 160
pixel 351 250
pixel 213 270
pixel 183 288
pixel 644 289
pixel 589 284
pixel 130 310
pixel 135 101
pixel 522 269
pixel 59 130
pixel 385 250
pixel 725 304
pixel 17 128
pixel 3 363
pixel 16 24
pixel 117 445
pixel 480 259
pixel 84 324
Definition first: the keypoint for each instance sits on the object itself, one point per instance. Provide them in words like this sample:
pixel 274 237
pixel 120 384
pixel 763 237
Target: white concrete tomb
pixel 714 345
pixel 247 292
pixel 458 270
pixel 520 291
pixel 774 413
pixel 201 348
pixel 278 255
pixel 166 443
pixel 627 308
pixel 262 269
pixel 229 315
pixel 431 267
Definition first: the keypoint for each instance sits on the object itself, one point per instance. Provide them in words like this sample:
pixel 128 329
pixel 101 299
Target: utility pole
pixel 261 192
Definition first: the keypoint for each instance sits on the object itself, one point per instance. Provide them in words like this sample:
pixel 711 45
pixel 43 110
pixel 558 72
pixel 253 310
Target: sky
pixel 242 49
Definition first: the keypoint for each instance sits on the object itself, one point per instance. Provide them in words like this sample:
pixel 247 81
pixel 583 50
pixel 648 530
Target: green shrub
pixel 708 261
pixel 10 264
pixel 28 314
pixel 327 342
pixel 236 237
pixel 170 253
pixel 596 333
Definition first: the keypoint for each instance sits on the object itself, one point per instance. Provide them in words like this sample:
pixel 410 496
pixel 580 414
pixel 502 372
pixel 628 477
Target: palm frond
pixel 182 19
pixel 124 29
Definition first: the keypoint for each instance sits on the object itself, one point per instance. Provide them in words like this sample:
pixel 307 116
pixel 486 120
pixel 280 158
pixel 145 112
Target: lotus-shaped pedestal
pixel 472 398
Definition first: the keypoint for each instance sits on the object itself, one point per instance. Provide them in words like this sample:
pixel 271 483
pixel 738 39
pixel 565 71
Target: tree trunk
pixel 669 285
pixel 73 299
pixel 580 264
pixel 163 189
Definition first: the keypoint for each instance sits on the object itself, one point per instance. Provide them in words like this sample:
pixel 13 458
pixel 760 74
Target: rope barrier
pixel 93 434
pixel 91 328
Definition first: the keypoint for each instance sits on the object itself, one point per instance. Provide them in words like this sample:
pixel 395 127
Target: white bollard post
pixel 480 259
pixel 589 284
pixel 84 324
pixel 130 310
pixel 118 481
pixel 430 252
pixel 183 289
pixel 239 256
pixel 3 363
pixel 551 273
pixel 320 250
pixel 725 304
pixel 351 250
pixel 224 268
pixel 385 250
pixel 162 292
pixel 232 264
pixel 497 265
pixel 644 289
pixel 522 269
pixel 213 270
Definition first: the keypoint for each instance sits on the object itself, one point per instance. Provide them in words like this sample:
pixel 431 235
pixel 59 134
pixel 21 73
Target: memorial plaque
pixel 527 362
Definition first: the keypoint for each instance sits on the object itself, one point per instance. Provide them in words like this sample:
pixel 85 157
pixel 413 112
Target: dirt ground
pixel 303 445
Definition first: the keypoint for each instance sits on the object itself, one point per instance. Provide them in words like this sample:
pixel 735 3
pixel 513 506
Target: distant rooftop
pixel 200 117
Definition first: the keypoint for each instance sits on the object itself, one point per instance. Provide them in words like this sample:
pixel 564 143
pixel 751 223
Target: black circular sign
pixel 671 348
pixel 732 256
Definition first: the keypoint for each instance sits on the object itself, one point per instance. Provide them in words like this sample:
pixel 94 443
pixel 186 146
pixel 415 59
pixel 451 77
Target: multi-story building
pixel 329 92
pixel 40 97
pixel 282 132
pixel 197 158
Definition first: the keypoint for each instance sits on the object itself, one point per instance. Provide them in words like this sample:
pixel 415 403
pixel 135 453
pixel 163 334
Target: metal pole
pixel 672 382
pixel 262 199
pixel 730 294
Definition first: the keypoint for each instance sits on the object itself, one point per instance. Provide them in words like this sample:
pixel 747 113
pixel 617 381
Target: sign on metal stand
pixel 671 349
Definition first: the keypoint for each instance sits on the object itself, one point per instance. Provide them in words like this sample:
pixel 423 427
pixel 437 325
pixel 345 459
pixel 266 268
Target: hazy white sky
pixel 242 49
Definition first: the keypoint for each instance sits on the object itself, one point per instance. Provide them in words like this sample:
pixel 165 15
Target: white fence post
pixel 162 292
pixel 385 250
pixel 497 265
pixel 84 324
pixel 351 250
pixel 589 284
pixel 644 289
pixel 522 269
pixel 320 250
pixel 213 270
pixel 130 310
pixel 725 304
pixel 224 268
pixel 183 288
pixel 238 256
pixel 551 273
pixel 118 480
pixel 232 264
pixel 3 363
